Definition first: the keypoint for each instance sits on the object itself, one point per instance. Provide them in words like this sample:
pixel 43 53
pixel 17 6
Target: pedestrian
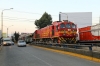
pixel 1 40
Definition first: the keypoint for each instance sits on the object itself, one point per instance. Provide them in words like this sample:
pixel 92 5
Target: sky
pixel 25 12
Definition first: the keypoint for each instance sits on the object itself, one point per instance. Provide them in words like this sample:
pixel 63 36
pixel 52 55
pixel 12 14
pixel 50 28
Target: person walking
pixel 1 41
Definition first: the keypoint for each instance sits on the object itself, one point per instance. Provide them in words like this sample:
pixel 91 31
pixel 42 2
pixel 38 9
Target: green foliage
pixel 45 20
pixel 16 36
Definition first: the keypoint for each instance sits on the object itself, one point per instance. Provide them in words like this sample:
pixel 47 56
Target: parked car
pixel 21 43
pixel 12 43
pixel 7 41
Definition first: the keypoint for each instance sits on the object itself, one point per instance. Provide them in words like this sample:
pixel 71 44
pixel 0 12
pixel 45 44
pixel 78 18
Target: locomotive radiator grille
pixel 67 40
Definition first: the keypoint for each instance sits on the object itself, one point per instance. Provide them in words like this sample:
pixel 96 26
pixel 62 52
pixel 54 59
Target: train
pixel 65 32
pixel 89 34
pixel 58 32
pixel 27 37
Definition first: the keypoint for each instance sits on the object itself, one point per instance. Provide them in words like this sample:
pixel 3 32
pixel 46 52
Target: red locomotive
pixel 59 32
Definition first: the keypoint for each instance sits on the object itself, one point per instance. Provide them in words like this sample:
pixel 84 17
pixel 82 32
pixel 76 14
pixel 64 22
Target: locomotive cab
pixel 67 29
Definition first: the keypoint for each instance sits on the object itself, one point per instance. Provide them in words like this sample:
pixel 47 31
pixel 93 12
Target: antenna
pixel 67 17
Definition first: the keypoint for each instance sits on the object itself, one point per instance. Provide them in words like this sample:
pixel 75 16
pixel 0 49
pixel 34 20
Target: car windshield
pixel 6 40
pixel 21 41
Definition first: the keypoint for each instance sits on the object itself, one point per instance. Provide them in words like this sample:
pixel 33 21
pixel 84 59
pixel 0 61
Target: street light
pixel 2 20
pixel 64 13
pixel 7 28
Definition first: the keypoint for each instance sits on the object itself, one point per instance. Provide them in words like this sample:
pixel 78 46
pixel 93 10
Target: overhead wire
pixel 31 20
pixel 35 19
pixel 18 19
pixel 64 14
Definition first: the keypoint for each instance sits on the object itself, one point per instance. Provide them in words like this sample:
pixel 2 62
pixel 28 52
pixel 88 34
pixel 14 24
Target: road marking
pixel 72 54
pixel 39 59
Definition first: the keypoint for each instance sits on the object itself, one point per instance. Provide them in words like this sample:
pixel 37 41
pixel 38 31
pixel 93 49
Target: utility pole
pixel 7 29
pixel 7 32
pixel 2 20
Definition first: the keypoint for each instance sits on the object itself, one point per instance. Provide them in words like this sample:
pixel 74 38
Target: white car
pixel 21 43
pixel 6 41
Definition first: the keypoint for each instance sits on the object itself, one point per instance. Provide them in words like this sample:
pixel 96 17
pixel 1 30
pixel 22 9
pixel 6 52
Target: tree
pixel 16 36
pixel 45 20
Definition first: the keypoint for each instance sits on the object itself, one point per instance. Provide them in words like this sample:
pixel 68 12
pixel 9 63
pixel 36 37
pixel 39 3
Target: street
pixel 33 56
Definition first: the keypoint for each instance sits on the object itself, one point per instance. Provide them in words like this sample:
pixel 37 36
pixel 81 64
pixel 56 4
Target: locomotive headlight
pixel 69 29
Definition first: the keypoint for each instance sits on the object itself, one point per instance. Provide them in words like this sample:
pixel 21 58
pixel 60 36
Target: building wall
pixel 82 19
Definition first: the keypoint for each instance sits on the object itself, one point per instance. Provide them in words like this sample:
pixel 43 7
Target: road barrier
pixel 73 50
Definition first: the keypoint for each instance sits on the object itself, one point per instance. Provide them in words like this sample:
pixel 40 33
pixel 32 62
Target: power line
pixel 31 13
pixel 35 19
pixel 18 20
pixel 15 18
pixel 22 19
pixel 64 15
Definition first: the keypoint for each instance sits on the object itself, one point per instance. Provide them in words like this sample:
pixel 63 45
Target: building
pixel 82 19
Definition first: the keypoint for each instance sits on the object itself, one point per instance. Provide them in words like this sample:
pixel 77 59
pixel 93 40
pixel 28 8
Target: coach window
pixel 73 26
pixel 68 26
pixel 62 26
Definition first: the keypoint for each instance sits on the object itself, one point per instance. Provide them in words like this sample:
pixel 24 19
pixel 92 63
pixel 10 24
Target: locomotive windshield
pixel 62 26
pixel 73 26
pixel 68 26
